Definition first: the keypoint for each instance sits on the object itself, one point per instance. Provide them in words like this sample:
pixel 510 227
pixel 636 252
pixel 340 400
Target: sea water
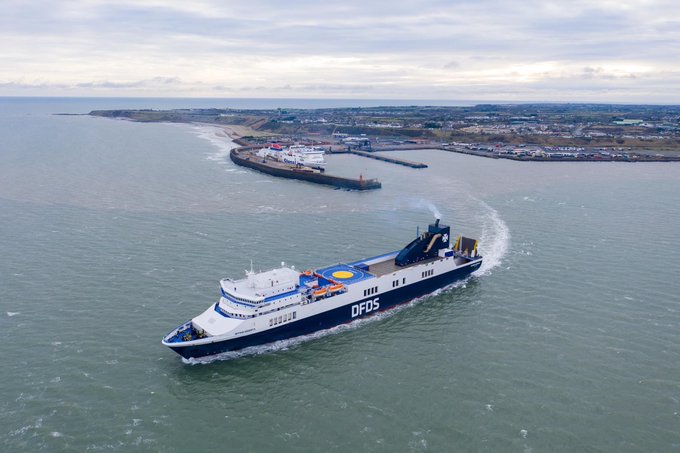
pixel 113 232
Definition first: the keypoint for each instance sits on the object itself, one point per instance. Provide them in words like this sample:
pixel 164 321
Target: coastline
pixel 233 133
pixel 361 129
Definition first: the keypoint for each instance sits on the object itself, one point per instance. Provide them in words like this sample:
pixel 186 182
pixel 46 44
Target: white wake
pixel 494 241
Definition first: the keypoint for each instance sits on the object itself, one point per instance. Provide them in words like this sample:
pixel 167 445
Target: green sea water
pixel 112 233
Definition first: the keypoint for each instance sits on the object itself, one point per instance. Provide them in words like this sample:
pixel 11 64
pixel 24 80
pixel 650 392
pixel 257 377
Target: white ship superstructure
pixel 295 155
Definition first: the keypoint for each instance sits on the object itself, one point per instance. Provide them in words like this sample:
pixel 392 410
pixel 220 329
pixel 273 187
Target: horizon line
pixel 440 102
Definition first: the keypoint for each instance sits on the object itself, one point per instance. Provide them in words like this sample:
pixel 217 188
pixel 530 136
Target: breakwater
pixel 547 156
pixel 392 160
pixel 245 158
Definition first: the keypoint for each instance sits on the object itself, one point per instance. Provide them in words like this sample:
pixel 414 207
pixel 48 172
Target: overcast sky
pixel 526 50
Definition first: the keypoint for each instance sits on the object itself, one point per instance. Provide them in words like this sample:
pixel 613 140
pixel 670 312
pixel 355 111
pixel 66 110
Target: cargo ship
pixel 284 303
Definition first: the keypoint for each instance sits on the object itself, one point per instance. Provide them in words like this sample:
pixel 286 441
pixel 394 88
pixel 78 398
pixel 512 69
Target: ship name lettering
pixel 366 306
pixel 242 332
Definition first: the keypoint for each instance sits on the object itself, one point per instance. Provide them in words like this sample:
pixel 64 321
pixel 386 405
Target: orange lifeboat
pixel 308 273
pixel 320 292
pixel 336 288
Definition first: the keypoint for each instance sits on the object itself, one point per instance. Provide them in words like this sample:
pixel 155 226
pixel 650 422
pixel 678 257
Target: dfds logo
pixel 366 306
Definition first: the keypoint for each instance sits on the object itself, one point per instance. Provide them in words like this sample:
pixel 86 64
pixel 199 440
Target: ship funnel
pixel 436 222
pixel 426 246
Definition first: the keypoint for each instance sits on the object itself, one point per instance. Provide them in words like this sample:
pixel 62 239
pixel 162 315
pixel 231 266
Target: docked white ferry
pixel 295 155
pixel 285 303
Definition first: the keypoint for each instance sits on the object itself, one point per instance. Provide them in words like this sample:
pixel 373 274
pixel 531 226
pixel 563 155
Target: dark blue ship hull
pixel 330 318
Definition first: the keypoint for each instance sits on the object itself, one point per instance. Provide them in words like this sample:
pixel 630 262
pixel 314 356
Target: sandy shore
pixel 236 132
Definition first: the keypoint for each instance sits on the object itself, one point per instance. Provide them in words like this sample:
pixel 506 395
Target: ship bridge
pixel 256 288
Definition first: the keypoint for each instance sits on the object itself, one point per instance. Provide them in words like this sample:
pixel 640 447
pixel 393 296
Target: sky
pixel 485 50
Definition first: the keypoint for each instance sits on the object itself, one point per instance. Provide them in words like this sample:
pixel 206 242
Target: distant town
pixel 545 132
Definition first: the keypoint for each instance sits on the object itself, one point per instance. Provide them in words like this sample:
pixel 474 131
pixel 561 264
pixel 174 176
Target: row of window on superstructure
pixel 428 273
pixel 233 315
pixel 276 320
pixel 250 302
pixel 395 283
pixel 242 300
pixel 237 315
pixel 369 291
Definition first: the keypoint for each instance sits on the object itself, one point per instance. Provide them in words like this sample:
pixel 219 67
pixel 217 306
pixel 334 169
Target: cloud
pixel 396 49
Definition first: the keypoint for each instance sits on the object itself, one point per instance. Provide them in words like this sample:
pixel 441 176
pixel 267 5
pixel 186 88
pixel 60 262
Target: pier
pixel 245 158
pixel 392 160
